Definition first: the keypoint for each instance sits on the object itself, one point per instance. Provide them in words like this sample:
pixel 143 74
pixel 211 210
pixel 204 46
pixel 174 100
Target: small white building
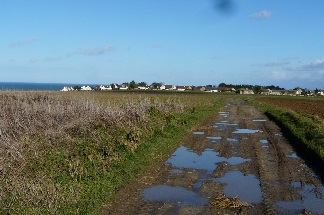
pixel 65 89
pixel 86 88
pixel 101 87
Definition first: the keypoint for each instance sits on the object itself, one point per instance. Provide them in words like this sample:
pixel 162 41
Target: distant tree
pixel 257 89
pixel 132 85
pixel 142 84
pixel 113 86
pixel 156 85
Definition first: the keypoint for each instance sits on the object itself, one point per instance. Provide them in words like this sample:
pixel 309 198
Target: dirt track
pixel 236 162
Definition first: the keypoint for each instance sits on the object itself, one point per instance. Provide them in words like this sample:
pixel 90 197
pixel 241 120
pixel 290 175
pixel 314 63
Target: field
pixel 310 106
pixel 68 153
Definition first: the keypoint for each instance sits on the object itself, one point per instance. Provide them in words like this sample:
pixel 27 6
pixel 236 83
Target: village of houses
pixel 208 88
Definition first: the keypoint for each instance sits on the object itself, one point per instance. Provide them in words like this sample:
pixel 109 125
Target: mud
pixel 236 162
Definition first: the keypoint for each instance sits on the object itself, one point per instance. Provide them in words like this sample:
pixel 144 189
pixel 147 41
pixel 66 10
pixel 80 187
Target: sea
pixel 37 86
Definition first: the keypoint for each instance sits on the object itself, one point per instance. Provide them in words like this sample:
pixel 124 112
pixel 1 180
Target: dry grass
pixel 49 142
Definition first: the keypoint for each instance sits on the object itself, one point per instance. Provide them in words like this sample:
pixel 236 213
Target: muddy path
pixel 236 162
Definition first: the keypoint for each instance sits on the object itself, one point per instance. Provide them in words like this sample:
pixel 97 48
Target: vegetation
pixel 300 120
pixel 69 153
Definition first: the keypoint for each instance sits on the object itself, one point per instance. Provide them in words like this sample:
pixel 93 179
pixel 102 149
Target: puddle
pixel 173 194
pixel 198 132
pixel 265 143
pixel 226 123
pixel 246 131
pixel 309 201
pixel 259 120
pixel 207 160
pixel 231 140
pixel 224 114
pixel 214 139
pixel 293 155
pixel 175 171
pixel 246 188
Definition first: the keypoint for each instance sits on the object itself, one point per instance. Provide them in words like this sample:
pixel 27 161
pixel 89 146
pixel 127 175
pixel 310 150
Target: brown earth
pixel 263 163
pixel 308 106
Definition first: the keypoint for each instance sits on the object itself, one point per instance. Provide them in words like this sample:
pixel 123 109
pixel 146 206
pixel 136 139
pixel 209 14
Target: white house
pixel 101 87
pixel 65 89
pixel 86 88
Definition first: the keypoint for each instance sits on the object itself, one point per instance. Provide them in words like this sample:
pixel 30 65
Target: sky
pixel 180 42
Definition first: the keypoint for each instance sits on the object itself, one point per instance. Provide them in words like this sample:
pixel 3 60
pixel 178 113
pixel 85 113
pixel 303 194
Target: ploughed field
pixel 302 105
pixel 235 162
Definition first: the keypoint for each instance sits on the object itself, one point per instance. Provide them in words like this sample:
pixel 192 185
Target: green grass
pixel 306 130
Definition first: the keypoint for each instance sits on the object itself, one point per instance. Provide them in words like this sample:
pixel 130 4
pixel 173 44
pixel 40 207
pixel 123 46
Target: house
pixel 320 93
pixel 123 87
pixel 143 87
pixel 211 89
pixel 167 87
pixel 65 89
pixel 226 89
pixel 86 88
pixel 245 91
pixel 101 87
pixel 181 88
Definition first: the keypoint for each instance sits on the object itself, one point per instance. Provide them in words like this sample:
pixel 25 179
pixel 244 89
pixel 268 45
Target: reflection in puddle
pixel 293 155
pixel 214 139
pixel 225 114
pixel 246 131
pixel 173 194
pixel 246 188
pixel 309 201
pixel 265 143
pixel 226 123
pixel 259 120
pixel 198 132
pixel 177 171
pixel 231 140
pixel 186 158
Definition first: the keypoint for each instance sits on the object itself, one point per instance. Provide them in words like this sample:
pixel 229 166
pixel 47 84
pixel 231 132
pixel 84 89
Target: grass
pixel 69 153
pixel 305 130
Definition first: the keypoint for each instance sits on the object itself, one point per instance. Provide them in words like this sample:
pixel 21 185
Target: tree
pixel 142 84
pixel 132 85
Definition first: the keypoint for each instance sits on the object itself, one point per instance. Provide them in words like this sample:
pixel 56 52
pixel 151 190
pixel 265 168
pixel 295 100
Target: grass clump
pixel 69 153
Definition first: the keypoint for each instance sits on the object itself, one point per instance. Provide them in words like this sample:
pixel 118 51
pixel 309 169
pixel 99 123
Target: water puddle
pixel 214 139
pixel 175 171
pixel 224 114
pixel 244 187
pixel 207 160
pixel 246 131
pixel 265 143
pixel 231 139
pixel 259 120
pixel 198 132
pixel 293 155
pixel 312 200
pixel 226 123
pixel 180 195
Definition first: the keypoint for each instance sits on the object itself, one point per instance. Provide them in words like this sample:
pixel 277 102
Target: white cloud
pixel 24 42
pixel 317 65
pixel 95 50
pixel 261 15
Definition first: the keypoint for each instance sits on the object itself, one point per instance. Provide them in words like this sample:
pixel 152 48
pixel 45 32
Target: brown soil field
pixel 235 162
pixel 301 105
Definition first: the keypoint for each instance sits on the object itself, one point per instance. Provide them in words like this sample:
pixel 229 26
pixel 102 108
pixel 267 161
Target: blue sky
pixel 183 42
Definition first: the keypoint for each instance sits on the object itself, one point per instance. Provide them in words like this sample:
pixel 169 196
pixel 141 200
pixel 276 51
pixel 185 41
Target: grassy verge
pixel 306 131
pixel 71 154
